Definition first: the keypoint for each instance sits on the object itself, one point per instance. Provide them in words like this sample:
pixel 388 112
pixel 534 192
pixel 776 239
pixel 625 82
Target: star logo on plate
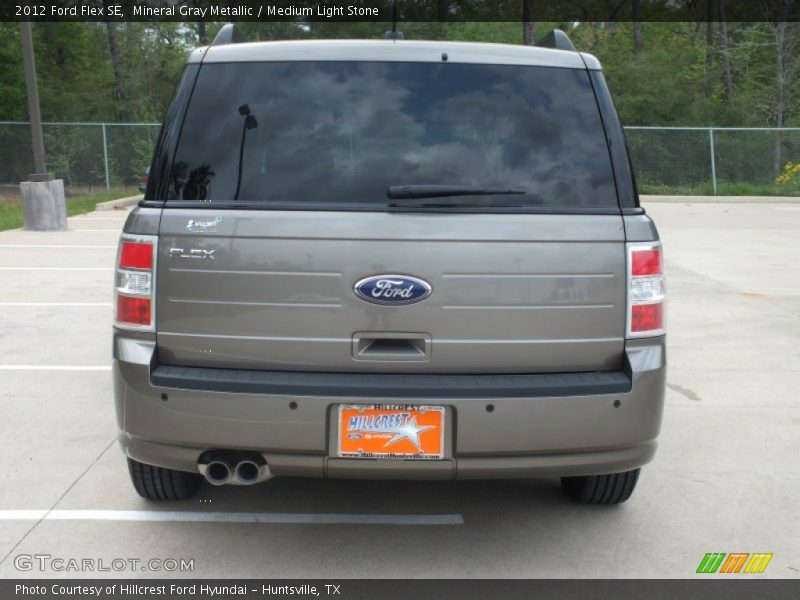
pixel 409 431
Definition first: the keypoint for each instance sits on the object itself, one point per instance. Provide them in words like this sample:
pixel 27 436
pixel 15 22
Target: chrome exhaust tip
pixel 218 472
pixel 229 467
pixel 247 472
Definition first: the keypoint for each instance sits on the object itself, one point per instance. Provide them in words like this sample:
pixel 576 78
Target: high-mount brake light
pixel 646 290
pixel 134 290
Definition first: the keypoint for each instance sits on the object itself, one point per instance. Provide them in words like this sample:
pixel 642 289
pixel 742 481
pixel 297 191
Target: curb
pixel 119 203
pixel 721 199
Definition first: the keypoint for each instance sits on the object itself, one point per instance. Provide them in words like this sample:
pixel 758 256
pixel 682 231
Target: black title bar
pixel 558 11
pixel 734 588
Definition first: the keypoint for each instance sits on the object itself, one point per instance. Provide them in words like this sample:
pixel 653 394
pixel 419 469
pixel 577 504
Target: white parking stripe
pixel 56 268
pixel 49 246
pixel 56 304
pixel 102 230
pixel 231 517
pixel 55 368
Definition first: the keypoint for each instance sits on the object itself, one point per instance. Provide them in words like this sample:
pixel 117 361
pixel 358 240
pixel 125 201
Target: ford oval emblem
pixel 392 289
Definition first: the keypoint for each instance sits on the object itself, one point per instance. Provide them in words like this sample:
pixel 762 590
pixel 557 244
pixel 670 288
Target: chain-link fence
pixel 87 156
pixel 694 160
pixel 711 160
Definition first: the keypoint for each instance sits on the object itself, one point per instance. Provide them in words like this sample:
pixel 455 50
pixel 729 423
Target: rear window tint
pixel 341 133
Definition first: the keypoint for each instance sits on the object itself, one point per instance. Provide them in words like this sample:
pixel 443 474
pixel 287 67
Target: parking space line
pixel 55 368
pixel 49 246
pixel 60 498
pixel 56 268
pixel 100 230
pixel 56 304
pixel 232 517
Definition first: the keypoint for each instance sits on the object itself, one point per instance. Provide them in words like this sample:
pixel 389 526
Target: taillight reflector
pixel 132 310
pixel 136 255
pixel 647 317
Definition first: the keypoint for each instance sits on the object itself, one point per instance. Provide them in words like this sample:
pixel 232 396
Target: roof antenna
pixel 394 34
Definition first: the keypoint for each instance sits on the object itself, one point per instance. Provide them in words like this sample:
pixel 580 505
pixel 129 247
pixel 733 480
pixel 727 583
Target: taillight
pixel 646 290
pixel 133 311
pixel 135 255
pixel 134 287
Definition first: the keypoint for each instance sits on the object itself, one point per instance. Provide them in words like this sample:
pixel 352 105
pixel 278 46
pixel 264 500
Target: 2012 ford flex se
pixel 389 259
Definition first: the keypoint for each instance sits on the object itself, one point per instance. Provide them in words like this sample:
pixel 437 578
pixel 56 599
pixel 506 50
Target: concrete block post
pixel 44 205
pixel 43 202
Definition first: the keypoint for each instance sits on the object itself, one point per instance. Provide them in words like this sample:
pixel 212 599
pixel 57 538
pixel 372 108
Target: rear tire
pixel 614 488
pixel 158 483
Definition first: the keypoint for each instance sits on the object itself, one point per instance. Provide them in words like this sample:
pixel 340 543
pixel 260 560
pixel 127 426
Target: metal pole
pixel 713 161
pixel 37 141
pixel 105 157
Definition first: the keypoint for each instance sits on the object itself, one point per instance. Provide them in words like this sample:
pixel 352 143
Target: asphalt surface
pixel 725 479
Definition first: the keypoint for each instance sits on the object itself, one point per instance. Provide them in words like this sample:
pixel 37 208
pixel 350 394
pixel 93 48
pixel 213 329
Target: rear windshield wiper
pixel 411 192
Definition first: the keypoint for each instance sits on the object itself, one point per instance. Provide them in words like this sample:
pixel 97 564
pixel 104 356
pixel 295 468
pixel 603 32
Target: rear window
pixel 336 134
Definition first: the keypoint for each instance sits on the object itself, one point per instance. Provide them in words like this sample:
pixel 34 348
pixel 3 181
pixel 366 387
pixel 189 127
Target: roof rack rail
pixel 229 34
pixel 557 39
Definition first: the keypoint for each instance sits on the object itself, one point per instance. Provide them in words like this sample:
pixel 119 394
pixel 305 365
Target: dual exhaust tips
pixel 234 468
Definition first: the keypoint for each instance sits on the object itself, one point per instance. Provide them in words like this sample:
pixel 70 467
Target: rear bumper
pixel 586 426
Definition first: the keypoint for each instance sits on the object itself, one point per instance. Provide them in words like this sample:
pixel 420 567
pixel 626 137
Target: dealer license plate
pixel 391 431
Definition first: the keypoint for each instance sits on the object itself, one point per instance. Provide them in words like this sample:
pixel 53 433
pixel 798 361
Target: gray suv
pixel 389 259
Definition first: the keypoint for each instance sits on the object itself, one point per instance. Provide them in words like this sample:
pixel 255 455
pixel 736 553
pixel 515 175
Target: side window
pixel 158 187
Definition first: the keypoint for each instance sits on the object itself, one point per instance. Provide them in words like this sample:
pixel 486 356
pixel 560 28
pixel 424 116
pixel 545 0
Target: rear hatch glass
pixel 339 134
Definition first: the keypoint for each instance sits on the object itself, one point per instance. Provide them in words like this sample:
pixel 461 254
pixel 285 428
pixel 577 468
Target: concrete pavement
pixel 725 478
